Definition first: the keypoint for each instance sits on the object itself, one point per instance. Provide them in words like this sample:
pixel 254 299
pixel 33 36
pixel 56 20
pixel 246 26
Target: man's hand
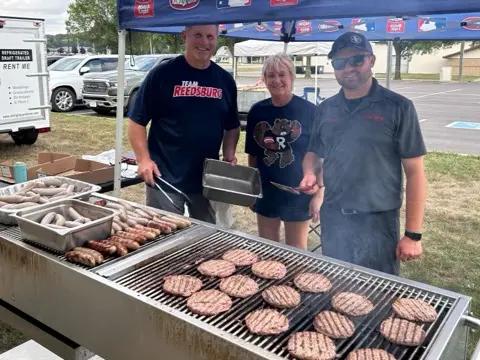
pixel 308 184
pixel 408 249
pixel 231 159
pixel 146 170
pixel 314 207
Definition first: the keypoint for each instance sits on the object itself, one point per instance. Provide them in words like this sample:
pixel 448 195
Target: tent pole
pixel 316 78
pixel 119 121
pixel 388 74
pixel 460 65
pixel 285 47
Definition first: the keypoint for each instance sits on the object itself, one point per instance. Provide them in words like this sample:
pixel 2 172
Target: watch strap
pixel 413 235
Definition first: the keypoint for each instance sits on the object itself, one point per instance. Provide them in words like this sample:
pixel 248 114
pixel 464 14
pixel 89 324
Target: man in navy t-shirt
pixel 191 103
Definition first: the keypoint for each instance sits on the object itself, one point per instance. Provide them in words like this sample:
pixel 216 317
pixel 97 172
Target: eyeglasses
pixel 354 61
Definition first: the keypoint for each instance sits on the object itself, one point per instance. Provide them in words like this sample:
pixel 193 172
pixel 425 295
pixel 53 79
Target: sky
pixel 53 11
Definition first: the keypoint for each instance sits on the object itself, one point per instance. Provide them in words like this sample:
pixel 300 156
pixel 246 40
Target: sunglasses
pixel 353 61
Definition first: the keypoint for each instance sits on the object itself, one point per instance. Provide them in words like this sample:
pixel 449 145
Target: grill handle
pixel 473 323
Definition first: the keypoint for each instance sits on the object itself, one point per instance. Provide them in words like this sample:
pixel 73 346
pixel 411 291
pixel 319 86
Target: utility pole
pixel 460 65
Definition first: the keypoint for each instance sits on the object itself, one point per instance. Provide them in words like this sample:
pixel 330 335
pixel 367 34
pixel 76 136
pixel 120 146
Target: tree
pixel 60 50
pixel 74 49
pixel 82 50
pixel 94 21
pixel 405 49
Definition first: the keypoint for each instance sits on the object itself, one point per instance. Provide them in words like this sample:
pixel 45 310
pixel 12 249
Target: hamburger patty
pixel 402 332
pixel 209 302
pixel 269 269
pixel 351 304
pixel 240 286
pixel 216 268
pixel 309 345
pixel 240 257
pixel 182 285
pixel 266 322
pixel 370 354
pixel 414 310
pixel 333 325
pixel 281 296
pixel 311 282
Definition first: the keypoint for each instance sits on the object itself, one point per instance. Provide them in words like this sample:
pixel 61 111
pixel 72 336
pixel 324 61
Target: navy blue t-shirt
pixel 189 109
pixel 279 137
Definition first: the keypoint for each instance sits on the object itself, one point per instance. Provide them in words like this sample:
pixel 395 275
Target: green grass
pixel 466 78
pixel 452 216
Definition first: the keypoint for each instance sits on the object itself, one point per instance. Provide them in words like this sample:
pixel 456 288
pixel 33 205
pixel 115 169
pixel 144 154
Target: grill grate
pixel 14 233
pixel 148 281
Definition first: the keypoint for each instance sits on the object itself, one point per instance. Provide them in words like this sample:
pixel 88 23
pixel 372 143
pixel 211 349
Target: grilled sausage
pixel 120 249
pixel 102 248
pixel 147 234
pixel 98 257
pixel 141 239
pixel 143 214
pixel 149 229
pixel 164 228
pixel 163 220
pixel 100 203
pixel 80 257
pixel 129 244
pixel 181 222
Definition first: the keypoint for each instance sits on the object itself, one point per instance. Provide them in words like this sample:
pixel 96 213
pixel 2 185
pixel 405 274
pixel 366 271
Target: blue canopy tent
pixel 290 20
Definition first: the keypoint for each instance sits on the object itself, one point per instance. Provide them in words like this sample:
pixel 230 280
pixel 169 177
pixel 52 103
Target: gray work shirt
pixel 362 149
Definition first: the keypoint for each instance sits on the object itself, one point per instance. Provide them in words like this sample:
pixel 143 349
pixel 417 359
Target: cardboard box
pixel 43 158
pixel 84 170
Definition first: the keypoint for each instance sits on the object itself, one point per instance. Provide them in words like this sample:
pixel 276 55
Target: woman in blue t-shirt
pixel 278 131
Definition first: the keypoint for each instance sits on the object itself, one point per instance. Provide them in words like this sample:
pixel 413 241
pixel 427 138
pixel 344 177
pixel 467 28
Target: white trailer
pixel 24 91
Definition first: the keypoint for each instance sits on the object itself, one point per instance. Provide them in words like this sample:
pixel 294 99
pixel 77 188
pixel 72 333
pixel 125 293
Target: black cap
pixel 350 40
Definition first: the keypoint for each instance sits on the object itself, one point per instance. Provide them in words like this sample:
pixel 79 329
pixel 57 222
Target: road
pixel 439 106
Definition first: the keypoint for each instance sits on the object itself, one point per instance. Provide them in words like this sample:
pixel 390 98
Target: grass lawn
pixel 452 220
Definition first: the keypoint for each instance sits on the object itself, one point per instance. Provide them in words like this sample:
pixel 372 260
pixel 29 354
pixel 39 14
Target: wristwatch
pixel 413 235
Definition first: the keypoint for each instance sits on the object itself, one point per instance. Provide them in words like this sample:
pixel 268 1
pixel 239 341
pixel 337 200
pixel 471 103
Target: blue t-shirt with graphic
pixel 278 137
pixel 189 109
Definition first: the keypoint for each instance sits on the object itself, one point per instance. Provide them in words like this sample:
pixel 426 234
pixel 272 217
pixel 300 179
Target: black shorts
pixel 277 203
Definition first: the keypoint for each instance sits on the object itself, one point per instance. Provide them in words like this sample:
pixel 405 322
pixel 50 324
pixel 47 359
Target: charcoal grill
pixel 123 299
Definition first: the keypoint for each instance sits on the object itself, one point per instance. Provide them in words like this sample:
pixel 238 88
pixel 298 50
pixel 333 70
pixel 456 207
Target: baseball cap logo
pixel 355 39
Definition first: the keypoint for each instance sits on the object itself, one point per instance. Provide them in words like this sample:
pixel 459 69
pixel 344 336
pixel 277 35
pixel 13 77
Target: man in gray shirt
pixel 362 138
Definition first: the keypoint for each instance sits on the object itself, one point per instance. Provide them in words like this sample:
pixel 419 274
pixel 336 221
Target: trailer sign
pixel 15 55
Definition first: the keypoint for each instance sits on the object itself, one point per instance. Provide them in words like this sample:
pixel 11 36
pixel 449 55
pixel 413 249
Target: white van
pixel 24 107
pixel 66 78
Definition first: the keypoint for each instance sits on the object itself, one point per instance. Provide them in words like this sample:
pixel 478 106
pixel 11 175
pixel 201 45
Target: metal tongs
pixel 187 199
pixel 289 189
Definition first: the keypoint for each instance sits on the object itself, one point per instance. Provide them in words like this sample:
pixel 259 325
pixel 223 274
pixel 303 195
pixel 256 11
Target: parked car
pixel 66 78
pixel 51 59
pixel 100 90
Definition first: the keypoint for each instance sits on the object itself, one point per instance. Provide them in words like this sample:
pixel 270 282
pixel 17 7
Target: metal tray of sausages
pixel 83 190
pixel 63 240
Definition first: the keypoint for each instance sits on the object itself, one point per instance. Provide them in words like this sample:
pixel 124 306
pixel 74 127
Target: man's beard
pixel 356 82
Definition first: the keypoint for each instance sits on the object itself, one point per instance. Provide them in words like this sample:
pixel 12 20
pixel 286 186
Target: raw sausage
pixel 142 214
pixel 98 257
pixel 72 224
pixel 120 249
pixel 141 239
pixel 129 244
pixel 59 220
pixel 126 205
pixel 47 219
pixel 48 191
pixel 19 206
pixel 52 182
pixel 74 214
pixel 102 248
pixel 80 257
